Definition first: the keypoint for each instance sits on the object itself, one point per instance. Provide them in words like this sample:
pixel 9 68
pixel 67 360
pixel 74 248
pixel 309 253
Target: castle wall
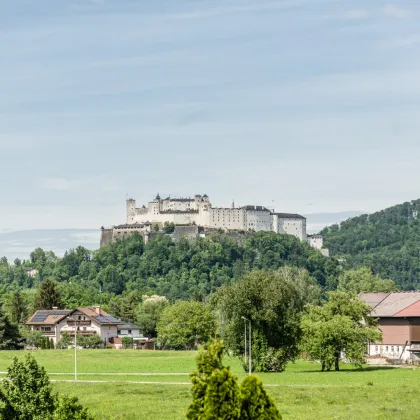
pixel 232 219
pixel 257 220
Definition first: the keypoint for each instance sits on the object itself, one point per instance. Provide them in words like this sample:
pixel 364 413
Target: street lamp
pixel 75 345
pixel 250 344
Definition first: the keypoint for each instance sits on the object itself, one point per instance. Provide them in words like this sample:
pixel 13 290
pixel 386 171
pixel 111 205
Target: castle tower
pixel 130 211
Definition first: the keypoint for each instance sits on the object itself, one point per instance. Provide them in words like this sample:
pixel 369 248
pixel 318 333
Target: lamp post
pixel 250 343
pixel 75 345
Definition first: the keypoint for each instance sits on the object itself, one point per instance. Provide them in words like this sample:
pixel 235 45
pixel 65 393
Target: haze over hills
pixel 387 241
pixel 19 244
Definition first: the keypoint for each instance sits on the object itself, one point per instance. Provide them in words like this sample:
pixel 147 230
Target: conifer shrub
pixel 217 395
pixel 256 403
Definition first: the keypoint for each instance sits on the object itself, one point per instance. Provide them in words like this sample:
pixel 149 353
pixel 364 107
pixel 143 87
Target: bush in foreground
pixel 217 395
pixel 27 395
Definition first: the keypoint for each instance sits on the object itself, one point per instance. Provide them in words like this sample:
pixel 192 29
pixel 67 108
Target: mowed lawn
pixel 125 385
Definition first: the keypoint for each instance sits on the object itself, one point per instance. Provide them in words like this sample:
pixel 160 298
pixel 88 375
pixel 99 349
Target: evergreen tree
pixel 17 307
pixel 43 343
pixel 216 394
pixel 51 344
pixel 48 296
pixel 10 338
pixel 256 404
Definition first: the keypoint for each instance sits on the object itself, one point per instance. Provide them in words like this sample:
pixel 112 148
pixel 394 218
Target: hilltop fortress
pixel 199 211
pixel 193 217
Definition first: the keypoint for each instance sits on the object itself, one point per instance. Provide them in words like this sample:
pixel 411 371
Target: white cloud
pixel 357 14
pixel 394 11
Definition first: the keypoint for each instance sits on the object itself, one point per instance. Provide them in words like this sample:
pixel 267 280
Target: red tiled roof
pixel 412 310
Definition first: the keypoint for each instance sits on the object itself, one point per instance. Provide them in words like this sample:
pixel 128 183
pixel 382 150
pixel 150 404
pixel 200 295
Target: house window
pixel 119 332
pixel 376 349
pixel 79 318
pixel 129 331
pixel 84 328
pixel 386 349
pixel 45 328
pixel 398 349
pixel 392 349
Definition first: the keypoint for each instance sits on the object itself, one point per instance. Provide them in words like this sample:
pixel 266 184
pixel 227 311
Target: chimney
pixel 55 308
pixel 98 309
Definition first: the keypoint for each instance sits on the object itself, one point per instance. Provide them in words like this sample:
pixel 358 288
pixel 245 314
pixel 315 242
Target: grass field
pixel 127 384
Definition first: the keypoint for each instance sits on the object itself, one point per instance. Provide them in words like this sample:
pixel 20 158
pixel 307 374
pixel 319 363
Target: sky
pixel 308 106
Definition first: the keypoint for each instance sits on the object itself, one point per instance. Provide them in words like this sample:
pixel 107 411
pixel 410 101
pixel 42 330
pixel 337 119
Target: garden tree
pixel 342 325
pixel 27 395
pixel 10 338
pixel 363 280
pixel 149 312
pixel 216 394
pixel 51 344
pixel 32 338
pixel 127 342
pixel 65 341
pixel 184 325
pixel 17 307
pixel 273 305
pixel 48 296
pixel 156 227
pixel 93 341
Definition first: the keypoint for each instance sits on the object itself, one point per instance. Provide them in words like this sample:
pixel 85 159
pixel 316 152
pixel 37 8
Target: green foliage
pixel 169 227
pixel 16 305
pixel 363 280
pixel 66 340
pixel 93 341
pixel 185 324
pixel 32 338
pixel 51 344
pixel 274 305
pixel 10 338
pixel 27 395
pixel 387 242
pixel 68 408
pixel 149 312
pixel 216 394
pixel 222 399
pixel 341 325
pixel 256 404
pixel 127 342
pixel 48 296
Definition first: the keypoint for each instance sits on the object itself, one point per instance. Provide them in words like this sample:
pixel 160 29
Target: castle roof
pixel 289 216
pixel 255 208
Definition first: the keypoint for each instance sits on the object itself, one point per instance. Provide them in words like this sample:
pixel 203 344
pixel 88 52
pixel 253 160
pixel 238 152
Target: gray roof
pixel 255 208
pixel 391 303
pixel 128 326
pixel 290 216
pixel 132 226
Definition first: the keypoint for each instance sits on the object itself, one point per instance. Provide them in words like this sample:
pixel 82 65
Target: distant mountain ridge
pixel 387 241
pixel 19 244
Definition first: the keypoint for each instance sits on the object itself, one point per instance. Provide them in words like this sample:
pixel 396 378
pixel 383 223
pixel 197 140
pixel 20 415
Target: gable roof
pixel 48 317
pixel 393 304
pixel 101 318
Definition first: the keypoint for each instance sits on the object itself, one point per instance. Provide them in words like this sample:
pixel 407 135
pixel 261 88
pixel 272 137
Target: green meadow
pixel 129 384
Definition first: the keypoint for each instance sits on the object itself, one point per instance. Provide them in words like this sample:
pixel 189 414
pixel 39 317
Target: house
pixel 128 330
pixel 133 331
pixel 86 321
pixel 398 315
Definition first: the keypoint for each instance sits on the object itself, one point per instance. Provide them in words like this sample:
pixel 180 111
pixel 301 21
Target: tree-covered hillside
pixel 387 241
pixel 182 270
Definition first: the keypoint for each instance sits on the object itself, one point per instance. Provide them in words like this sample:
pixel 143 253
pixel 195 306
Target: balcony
pixel 415 347
pixel 79 323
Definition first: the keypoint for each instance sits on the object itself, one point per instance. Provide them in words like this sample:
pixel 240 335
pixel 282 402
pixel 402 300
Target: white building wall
pixel 389 351
pixel 257 220
pixel 316 241
pixel 292 226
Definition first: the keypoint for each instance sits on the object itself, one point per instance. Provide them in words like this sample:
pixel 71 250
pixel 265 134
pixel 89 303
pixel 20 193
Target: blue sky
pixel 305 105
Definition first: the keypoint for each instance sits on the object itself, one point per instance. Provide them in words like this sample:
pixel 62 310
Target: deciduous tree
pixel 341 326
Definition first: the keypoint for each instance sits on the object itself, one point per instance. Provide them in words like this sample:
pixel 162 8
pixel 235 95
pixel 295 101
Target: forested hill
pixel 182 270
pixel 387 241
